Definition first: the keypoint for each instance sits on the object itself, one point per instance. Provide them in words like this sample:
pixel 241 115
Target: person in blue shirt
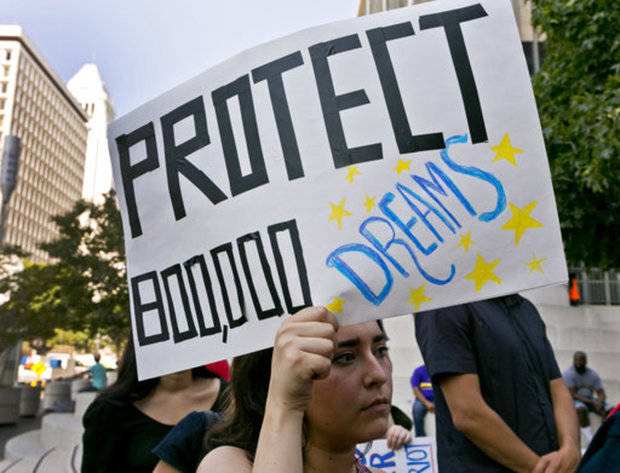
pixel 424 398
pixel 98 374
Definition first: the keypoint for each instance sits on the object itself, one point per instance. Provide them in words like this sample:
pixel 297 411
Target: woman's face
pixel 352 404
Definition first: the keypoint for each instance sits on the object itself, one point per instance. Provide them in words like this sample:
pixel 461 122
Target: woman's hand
pixel 397 436
pixel 302 352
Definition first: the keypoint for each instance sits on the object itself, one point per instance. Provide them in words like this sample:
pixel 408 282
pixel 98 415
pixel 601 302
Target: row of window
pixel 41 135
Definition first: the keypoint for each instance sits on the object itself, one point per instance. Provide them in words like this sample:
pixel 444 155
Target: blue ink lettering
pixel 382 461
pixel 477 173
pixel 406 192
pixel 334 260
pixel 405 227
pixel 383 249
pixel 428 186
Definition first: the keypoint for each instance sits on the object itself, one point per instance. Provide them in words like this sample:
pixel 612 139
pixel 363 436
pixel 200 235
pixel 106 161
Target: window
pixel 6 68
pixel 4 86
pixel 7 54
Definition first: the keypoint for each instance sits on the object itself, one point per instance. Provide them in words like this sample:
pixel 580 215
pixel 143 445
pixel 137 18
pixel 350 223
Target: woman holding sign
pixel 305 407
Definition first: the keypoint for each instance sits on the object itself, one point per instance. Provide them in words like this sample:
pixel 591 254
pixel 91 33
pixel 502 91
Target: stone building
pixel 88 88
pixel 36 106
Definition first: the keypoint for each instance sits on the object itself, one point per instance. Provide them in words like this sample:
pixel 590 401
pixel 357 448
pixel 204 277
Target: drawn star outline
pixel 417 297
pixel 339 212
pixel 521 220
pixel 483 272
pixel 506 151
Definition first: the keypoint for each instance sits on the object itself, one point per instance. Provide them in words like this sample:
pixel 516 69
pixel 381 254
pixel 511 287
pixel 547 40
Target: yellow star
pixel 336 305
pixel 370 203
pixel 505 151
pixel 402 166
pixel 521 220
pixel 466 241
pixel 483 272
pixel 417 297
pixel 351 172
pixel 338 212
pixel 534 265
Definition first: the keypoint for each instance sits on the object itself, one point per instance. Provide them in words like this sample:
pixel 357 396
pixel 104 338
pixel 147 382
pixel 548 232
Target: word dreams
pixel 424 200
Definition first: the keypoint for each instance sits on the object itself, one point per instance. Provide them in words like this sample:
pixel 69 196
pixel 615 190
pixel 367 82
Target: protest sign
pixel 420 456
pixel 379 166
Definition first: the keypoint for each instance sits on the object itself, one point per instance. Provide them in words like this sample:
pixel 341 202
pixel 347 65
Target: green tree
pixel 91 244
pixel 578 95
pixel 84 289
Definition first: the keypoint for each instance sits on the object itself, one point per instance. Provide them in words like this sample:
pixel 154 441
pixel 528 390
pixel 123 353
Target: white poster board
pixel 379 166
pixel 420 456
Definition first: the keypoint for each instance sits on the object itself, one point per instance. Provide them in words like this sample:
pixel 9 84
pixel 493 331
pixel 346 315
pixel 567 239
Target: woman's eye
pixel 343 358
pixel 382 350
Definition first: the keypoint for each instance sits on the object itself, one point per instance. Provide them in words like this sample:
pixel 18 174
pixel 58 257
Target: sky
pixel 145 47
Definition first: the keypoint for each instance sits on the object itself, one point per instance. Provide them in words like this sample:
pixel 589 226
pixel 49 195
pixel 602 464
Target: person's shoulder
pixel 104 412
pixel 225 459
pixel 568 372
pixel 590 372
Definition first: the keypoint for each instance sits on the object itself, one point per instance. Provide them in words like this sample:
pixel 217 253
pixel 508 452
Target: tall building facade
pixel 88 88
pixel 36 106
pixel 533 45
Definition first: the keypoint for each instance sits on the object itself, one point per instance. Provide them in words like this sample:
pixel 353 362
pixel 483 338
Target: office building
pixel 88 88
pixel 36 106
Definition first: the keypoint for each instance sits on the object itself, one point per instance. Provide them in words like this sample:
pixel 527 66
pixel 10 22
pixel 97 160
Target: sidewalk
pixel 24 424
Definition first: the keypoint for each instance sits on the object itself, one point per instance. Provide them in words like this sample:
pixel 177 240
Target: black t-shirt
pixel 503 341
pixel 118 437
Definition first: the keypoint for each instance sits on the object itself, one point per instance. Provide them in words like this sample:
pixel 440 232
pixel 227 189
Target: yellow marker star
pixel 506 151
pixel 534 265
pixel 466 241
pixel 402 166
pixel 521 220
pixel 351 172
pixel 338 212
pixel 336 305
pixel 417 297
pixel 483 272
pixel 370 203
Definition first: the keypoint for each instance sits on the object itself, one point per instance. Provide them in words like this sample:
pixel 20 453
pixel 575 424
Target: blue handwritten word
pixel 418 457
pixel 382 461
pixel 424 200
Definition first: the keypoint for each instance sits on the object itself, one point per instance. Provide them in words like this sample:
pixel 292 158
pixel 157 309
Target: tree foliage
pixel 578 95
pixel 84 289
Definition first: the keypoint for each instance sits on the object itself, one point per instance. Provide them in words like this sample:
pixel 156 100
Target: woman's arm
pixel 302 352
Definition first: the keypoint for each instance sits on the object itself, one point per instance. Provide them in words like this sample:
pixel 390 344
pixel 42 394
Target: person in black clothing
pixel 128 419
pixel 501 404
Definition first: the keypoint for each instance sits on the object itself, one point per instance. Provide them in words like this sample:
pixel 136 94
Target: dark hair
pixel 249 385
pixel 127 388
pixel 242 422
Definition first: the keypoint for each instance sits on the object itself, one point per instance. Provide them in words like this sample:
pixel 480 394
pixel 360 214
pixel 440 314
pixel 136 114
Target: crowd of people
pixel 490 378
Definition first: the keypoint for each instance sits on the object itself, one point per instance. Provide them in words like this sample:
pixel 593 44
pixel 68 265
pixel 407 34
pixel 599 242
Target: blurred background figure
pixel 424 401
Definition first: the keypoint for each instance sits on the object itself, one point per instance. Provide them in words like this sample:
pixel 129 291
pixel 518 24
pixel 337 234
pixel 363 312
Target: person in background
pixel 583 383
pixel 98 373
pixel 130 417
pixel 424 398
pixel 501 403
pixel 220 368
